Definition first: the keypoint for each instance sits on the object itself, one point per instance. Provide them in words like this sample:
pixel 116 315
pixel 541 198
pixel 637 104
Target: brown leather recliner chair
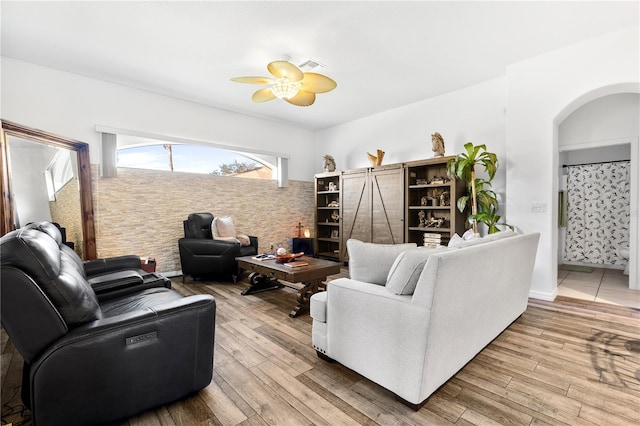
pixel 91 360
pixel 203 257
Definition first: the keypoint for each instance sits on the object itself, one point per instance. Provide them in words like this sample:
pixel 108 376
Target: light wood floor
pixel 567 362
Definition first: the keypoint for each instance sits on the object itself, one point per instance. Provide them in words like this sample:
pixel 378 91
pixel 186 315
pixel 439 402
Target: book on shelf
pixel 431 240
pixel 264 256
pixel 432 235
pixel 296 264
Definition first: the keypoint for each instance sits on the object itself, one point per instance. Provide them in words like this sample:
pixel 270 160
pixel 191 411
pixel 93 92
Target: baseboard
pixel 171 274
pixel 549 297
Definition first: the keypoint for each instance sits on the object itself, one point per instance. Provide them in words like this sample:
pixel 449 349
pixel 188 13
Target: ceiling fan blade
pixel 302 98
pixel 284 69
pixel 317 83
pixel 263 95
pixel 253 80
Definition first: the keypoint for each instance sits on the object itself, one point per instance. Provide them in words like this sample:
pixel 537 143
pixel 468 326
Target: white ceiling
pixel 382 54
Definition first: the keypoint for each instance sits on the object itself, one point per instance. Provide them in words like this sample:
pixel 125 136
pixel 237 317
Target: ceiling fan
pixel 290 84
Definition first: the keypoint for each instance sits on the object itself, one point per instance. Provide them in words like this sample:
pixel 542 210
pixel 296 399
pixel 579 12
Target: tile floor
pixel 601 285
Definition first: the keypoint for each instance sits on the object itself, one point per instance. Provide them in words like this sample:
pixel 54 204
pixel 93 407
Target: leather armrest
pixel 209 247
pixel 114 280
pixel 110 264
pixel 254 241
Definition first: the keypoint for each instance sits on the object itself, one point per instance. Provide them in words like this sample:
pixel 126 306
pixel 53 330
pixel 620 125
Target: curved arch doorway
pixel 602 127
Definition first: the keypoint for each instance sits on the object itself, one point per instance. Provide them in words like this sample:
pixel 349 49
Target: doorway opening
pixel 598 192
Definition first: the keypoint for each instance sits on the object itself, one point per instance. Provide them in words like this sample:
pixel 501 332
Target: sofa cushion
pixel 499 235
pixel 406 269
pixel 467 243
pixel 461 243
pixel 370 262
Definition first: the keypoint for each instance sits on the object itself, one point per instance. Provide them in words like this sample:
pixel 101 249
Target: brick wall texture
pixel 65 210
pixel 141 211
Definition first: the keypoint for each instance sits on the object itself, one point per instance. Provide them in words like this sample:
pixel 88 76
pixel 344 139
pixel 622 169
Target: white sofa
pixel 412 343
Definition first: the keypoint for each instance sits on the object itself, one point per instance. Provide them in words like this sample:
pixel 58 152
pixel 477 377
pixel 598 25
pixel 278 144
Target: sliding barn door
pixel 355 213
pixel 387 206
pixel 372 207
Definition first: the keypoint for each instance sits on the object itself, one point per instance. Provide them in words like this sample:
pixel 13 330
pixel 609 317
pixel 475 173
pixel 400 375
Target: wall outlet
pixel 538 207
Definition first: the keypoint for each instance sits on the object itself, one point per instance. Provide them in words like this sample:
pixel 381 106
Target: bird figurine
pixel 376 160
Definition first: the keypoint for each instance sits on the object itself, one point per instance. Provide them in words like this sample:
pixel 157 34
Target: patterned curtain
pixel 597 212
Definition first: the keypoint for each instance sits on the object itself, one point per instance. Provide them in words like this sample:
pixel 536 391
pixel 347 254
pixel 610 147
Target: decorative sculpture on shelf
pixel 435 222
pixel 376 160
pixel 437 145
pixel 422 219
pixel 444 198
pixel 328 163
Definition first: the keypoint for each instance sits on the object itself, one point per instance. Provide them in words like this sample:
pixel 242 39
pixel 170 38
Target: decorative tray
pixel 285 258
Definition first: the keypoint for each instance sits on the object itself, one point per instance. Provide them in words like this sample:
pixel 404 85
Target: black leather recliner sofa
pixel 203 257
pixel 91 360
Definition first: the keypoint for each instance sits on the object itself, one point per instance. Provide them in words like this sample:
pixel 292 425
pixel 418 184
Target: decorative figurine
pixel 332 186
pixel 328 163
pixel 435 222
pixel 335 215
pixel 444 198
pixel 376 160
pixel 437 145
pixel 422 222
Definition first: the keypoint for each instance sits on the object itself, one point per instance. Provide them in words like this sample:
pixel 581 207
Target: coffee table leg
pixel 259 282
pixel 304 295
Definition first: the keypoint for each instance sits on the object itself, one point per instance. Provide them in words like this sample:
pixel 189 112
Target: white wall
pixel 595 155
pixel 28 162
pixel 72 105
pixel 474 114
pixel 609 117
pixel 541 92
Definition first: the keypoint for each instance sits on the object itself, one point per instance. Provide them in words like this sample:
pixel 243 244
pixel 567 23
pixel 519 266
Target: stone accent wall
pixel 66 211
pixel 141 211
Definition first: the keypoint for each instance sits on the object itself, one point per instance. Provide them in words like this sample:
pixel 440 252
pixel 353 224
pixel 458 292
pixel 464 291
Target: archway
pixel 632 140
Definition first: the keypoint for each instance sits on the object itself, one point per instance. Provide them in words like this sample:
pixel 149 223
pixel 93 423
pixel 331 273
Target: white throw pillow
pixel 406 269
pixel 370 263
pixel 459 242
pixel 499 235
pixel 224 227
pixel 453 241
pixel 214 229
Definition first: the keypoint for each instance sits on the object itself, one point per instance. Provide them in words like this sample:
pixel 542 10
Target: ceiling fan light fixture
pixel 285 89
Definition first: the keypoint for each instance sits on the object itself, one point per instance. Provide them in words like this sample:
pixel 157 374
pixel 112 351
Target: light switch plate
pixel 538 207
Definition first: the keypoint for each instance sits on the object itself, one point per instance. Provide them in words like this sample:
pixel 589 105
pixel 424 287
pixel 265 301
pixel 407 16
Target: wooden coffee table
pixel 265 275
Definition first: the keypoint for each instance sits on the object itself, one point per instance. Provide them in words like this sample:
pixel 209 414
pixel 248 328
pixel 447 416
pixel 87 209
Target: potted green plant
pixel 482 199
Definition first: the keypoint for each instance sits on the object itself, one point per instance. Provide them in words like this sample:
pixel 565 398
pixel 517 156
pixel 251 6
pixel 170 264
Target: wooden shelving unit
pixel 389 204
pixel 431 201
pixel 327 216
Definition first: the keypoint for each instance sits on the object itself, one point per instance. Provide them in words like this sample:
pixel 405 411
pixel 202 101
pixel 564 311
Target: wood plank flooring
pixel 568 362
